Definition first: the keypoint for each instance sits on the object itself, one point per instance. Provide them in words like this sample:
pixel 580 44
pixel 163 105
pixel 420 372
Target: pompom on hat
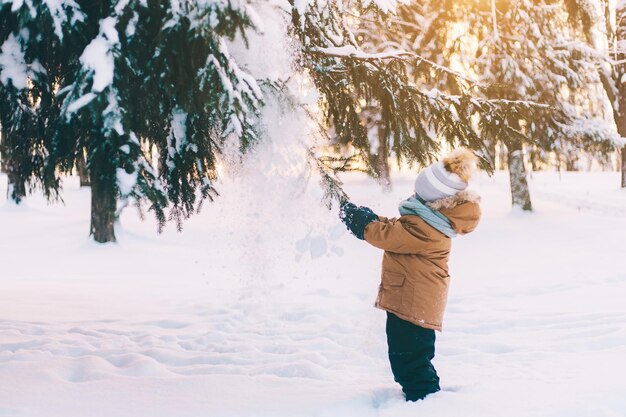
pixel 446 177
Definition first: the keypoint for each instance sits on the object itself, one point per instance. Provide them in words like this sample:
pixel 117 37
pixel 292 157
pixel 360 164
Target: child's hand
pixel 356 218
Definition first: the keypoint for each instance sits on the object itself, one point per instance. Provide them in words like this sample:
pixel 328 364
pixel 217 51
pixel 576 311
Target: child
pixel 414 287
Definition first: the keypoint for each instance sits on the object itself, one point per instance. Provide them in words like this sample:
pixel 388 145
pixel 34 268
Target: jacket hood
pixel 462 209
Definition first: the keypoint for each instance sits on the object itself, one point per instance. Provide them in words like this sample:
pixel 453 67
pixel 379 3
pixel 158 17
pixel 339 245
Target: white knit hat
pixel 446 177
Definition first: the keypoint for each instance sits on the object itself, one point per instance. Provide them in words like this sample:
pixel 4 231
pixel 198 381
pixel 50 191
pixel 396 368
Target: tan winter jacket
pixel 415 264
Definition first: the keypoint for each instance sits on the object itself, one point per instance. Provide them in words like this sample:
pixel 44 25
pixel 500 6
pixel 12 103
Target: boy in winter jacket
pixel 414 279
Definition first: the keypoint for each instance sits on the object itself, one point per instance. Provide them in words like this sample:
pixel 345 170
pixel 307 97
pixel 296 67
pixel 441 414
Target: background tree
pixel 30 62
pixel 514 50
pixel 133 78
pixel 391 87
pixel 609 41
pixel 620 70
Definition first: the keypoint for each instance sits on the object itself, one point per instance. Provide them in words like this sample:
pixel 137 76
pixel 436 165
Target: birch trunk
pixel 619 102
pixel 624 167
pixel 520 194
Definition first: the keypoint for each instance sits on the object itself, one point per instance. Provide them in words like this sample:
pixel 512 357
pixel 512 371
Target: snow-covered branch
pixel 352 52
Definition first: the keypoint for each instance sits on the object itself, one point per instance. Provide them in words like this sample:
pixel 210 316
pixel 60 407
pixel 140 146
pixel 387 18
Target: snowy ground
pixel 263 307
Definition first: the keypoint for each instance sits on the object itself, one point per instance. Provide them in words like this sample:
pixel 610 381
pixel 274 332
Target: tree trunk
pixel 103 201
pixel 502 157
pixel 16 189
pixel 520 194
pixel 571 163
pixel 620 121
pixel 624 167
pixel 533 159
pixel 83 173
pixel 382 160
pixel 619 116
pixel 3 169
pixel 619 102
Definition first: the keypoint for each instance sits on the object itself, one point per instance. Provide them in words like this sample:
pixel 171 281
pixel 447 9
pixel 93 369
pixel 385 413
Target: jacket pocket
pixel 393 279
pixel 391 291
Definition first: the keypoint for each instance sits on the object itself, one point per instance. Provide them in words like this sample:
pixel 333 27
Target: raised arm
pixel 387 234
pixel 391 235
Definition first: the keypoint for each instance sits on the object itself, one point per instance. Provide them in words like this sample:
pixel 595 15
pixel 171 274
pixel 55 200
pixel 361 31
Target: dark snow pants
pixel 411 348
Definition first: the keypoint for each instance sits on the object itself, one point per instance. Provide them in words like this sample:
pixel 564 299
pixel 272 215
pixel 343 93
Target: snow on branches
pixel 130 83
pixel 386 90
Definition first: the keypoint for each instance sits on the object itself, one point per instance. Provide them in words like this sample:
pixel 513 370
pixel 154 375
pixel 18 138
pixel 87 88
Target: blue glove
pixel 356 218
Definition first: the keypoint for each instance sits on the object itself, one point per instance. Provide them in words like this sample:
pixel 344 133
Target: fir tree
pixel 135 78
pixel 31 64
pixel 514 50
pixel 394 88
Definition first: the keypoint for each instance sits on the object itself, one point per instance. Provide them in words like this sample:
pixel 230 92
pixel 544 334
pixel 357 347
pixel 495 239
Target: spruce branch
pixel 352 53
pixel 331 184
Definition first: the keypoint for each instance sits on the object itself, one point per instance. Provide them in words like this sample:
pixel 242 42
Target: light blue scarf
pixel 417 207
